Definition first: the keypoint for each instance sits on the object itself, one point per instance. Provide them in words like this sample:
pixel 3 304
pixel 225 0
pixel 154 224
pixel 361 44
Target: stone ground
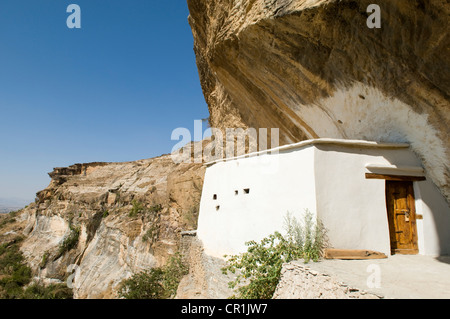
pixel 402 276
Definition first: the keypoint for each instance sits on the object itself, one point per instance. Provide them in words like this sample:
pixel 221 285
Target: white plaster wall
pixel 353 208
pixel 435 226
pixel 287 185
pixel 420 210
pixel 378 118
pixel 329 180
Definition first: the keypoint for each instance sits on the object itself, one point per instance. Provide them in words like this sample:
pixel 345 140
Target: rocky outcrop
pixel 205 279
pixel 298 281
pixel 99 223
pixel 314 69
pixel 311 68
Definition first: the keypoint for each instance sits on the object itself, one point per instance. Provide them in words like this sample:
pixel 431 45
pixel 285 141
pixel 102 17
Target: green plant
pixel 15 275
pixel 310 236
pixel 54 291
pixel 137 208
pixel 173 272
pixel 14 213
pixel 144 285
pixel 155 208
pixel 258 270
pixel 70 241
pixel 156 283
pixel 260 267
pixel 151 234
pixel 44 259
pixel 105 214
pixel 8 220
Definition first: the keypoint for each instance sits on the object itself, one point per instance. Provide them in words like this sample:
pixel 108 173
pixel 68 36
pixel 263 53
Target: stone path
pixel 401 276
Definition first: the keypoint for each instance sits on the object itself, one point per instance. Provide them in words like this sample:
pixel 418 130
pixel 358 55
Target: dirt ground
pixel 397 277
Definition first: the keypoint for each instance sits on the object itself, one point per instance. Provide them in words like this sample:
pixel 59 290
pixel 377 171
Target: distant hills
pixel 11 204
pixel 6 210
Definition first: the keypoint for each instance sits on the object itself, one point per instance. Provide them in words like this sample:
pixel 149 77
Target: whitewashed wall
pixel 352 207
pixel 326 177
pixel 286 185
pixel 434 229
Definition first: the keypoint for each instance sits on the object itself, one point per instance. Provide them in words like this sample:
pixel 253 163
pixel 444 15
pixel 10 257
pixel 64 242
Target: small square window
pixel 247 191
pixel 217 208
pixel 215 197
pixel 236 193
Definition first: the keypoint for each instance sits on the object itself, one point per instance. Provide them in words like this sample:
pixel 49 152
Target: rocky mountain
pixel 108 221
pixel 309 67
pixel 313 68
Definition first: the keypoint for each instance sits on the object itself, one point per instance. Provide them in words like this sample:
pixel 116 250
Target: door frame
pixel 409 213
pixel 401 178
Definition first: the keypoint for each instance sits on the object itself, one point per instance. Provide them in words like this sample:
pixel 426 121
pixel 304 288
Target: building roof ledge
pixel 396 170
pixel 330 141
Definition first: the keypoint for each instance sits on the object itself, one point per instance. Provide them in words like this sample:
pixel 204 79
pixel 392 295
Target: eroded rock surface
pixel 314 69
pixel 126 217
pixel 205 279
pixel 298 281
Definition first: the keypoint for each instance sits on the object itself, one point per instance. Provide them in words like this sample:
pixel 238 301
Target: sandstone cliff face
pixel 94 201
pixel 309 67
pixel 314 69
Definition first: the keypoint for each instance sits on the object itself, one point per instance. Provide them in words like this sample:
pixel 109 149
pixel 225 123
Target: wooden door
pixel 402 217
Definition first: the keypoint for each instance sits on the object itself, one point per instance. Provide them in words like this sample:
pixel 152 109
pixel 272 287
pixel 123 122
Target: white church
pixel 369 196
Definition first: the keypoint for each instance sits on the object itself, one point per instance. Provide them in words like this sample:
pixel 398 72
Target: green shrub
pixel 151 234
pixel 14 214
pixel 8 218
pixel 70 241
pixel 310 236
pixel 54 291
pixel 156 283
pixel 155 208
pixel 261 266
pixel 258 270
pixel 44 259
pixel 138 208
pixel 16 275
pixel 144 285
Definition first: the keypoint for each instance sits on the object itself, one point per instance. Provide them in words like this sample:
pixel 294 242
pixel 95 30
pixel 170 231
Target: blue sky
pixel 111 91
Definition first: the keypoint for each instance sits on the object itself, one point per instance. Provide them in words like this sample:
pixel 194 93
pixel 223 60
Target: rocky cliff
pixel 98 223
pixel 314 69
pixel 311 68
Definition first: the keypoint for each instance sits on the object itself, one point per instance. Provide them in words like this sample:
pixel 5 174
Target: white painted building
pixel 369 195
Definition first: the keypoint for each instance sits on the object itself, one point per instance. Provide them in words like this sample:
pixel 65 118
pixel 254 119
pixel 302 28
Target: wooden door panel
pixel 402 217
